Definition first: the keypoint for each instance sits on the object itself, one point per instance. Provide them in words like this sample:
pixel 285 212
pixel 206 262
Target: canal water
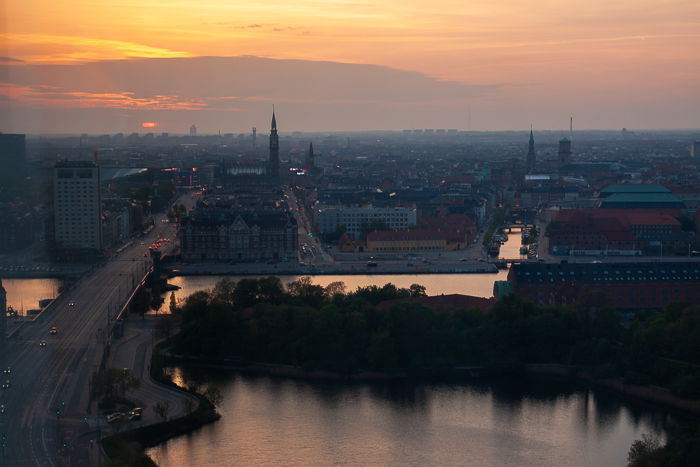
pixel 269 421
pixel 24 294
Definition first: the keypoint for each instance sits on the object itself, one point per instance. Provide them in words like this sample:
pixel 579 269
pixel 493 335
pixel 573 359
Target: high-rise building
pixel 255 137
pixel 13 155
pixel 77 206
pixel 531 157
pixel 193 130
pixel 274 148
pixel 564 151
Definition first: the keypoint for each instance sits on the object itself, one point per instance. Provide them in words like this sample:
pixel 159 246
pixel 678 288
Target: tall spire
pixel 531 157
pixel 274 147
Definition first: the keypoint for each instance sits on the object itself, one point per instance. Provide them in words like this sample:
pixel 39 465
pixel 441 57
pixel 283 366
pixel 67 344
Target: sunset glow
pixel 635 53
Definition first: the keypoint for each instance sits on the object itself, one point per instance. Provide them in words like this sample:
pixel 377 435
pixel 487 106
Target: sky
pixel 465 64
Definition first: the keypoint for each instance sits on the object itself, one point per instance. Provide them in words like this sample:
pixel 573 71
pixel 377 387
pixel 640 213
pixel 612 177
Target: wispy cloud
pixel 66 49
pixel 52 96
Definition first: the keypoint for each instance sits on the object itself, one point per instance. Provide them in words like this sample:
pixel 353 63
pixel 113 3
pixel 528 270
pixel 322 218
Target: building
pixel 624 286
pixel 406 241
pixel 355 220
pixel 241 236
pixel 309 162
pixel 531 160
pixel 564 151
pixel 77 206
pixel 274 148
pixel 613 231
pixel 13 155
pixel 193 130
pixel 642 201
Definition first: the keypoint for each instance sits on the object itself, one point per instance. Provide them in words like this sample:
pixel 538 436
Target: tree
pixel 417 290
pixel 115 382
pixel 213 394
pixel 173 303
pixel 161 409
pixel 641 449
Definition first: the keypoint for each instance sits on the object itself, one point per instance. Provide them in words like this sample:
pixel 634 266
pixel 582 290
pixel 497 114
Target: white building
pixel 329 218
pixel 77 206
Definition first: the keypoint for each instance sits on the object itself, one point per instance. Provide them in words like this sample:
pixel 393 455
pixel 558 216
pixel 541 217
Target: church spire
pixel 531 157
pixel 274 120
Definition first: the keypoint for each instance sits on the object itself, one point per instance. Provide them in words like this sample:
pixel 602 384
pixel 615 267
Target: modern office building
pixel 77 206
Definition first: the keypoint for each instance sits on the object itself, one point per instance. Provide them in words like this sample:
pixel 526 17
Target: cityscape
pixel 336 246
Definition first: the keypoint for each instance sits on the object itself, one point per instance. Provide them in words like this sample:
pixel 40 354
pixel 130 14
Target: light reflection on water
pixel 479 285
pixel 276 421
pixel 24 294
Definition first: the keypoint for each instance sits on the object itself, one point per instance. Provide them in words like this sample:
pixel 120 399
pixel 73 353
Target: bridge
pixel 49 375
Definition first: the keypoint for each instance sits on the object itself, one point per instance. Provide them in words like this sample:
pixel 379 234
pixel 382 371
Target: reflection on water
pixel 276 421
pixel 24 294
pixel 479 285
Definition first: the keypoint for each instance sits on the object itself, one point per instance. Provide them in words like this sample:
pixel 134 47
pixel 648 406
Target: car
pixel 135 413
pixel 53 330
pixel 42 344
pixel 71 303
pixel 2 408
pixel 6 384
pixel 7 371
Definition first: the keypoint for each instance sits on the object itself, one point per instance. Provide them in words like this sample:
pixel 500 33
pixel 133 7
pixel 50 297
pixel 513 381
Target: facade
pixel 625 286
pixel 329 218
pixel 406 241
pixel 242 236
pixel 77 206
pixel 611 232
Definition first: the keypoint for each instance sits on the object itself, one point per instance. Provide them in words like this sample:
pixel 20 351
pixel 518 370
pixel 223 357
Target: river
pixel 276 421
pixel 24 294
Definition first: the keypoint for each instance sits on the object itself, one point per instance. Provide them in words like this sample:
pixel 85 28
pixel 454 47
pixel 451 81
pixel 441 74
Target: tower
pixel 309 164
pixel 193 130
pixel 531 157
pixel 255 136
pixel 564 151
pixel 274 148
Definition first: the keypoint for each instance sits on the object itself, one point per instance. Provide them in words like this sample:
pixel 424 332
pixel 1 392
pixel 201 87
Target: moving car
pixel 42 344
pixel 6 384
pixel 135 413
pixel 53 330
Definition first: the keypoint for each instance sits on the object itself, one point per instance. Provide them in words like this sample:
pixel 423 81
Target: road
pixel 48 398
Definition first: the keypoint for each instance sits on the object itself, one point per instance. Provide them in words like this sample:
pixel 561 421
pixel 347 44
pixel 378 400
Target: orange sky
pixel 604 49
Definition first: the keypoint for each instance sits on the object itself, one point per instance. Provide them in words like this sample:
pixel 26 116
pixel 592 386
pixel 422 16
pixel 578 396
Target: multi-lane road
pixel 47 400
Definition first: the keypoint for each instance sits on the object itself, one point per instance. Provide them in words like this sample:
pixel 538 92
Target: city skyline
pixel 482 66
